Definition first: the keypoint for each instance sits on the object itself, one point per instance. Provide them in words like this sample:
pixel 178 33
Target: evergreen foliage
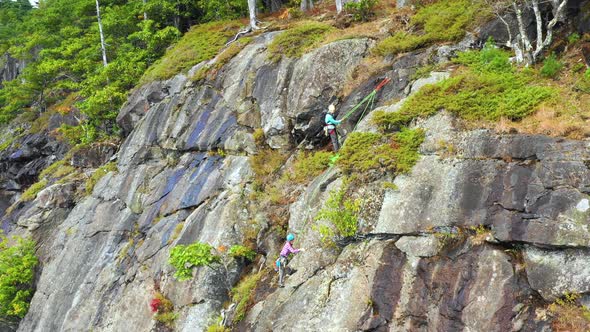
pixel 61 45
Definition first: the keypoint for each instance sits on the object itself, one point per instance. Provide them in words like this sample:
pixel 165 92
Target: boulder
pixel 554 273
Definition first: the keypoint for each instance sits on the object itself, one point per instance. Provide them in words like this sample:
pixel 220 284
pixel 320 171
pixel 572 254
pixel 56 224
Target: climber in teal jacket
pixel 331 124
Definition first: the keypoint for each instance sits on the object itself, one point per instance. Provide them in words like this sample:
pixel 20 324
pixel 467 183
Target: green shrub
pixel 363 152
pixel 297 41
pixel 442 21
pixel 31 193
pixel 573 38
pixel 242 295
pixel 406 154
pixel 98 174
pixel 342 214
pixel 201 43
pixel 237 251
pixel 266 163
pixel 185 258
pixel 17 265
pixel 360 11
pixel 310 164
pixel 551 67
pixel 489 88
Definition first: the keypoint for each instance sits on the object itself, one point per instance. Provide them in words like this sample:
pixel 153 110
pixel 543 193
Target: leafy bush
pixel 311 164
pixel 442 21
pixel 239 251
pixel 17 265
pixel 362 10
pixel 201 43
pixel 31 193
pixel 242 295
pixel 551 67
pixel 297 41
pixel 185 258
pixel 489 88
pixel 342 213
pixel 98 174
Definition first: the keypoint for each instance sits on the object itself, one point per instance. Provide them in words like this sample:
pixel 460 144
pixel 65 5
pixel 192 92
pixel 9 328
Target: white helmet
pixel 331 108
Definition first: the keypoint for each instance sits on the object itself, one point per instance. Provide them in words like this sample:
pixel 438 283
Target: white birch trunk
pixel 252 12
pixel 144 12
pixel 338 6
pixel 102 43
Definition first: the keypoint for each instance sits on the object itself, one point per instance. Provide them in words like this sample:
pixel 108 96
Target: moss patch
pixel 98 174
pixel 487 88
pixel 442 21
pixel 201 43
pixel 31 193
pixel 298 40
pixel 243 295
pixel 364 152
pixel 222 59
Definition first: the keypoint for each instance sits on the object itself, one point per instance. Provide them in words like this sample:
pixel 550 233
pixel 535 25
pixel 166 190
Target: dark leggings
pixel 334 137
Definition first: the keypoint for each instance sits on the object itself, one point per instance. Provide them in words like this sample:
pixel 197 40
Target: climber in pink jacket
pixel 283 260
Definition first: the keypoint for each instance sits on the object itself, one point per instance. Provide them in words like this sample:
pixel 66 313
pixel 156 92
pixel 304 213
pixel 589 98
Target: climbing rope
pixel 369 100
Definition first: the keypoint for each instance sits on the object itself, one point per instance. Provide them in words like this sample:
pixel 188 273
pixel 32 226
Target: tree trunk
pixel 144 12
pixel 306 5
pixel 102 43
pixel 522 46
pixel 338 6
pixel 252 12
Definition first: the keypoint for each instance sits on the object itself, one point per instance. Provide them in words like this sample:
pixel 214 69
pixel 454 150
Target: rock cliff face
pixel 10 68
pixel 184 176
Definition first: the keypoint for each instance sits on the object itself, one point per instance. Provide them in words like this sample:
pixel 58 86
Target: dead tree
pixel 102 43
pixel 526 51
